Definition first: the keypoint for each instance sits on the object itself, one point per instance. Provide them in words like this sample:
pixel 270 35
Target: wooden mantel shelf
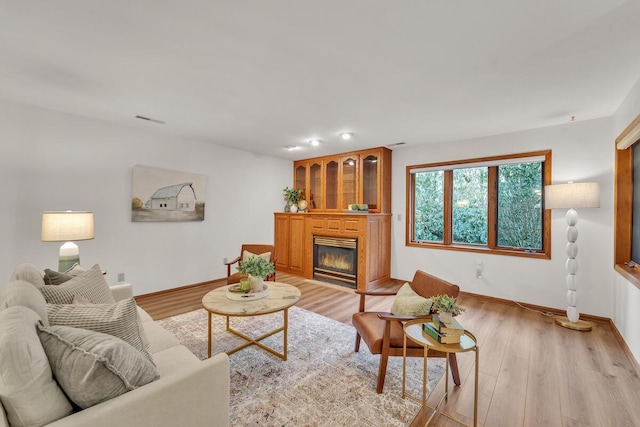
pixel 294 234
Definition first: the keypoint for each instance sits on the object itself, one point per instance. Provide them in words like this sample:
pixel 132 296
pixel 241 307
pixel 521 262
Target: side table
pixel 468 342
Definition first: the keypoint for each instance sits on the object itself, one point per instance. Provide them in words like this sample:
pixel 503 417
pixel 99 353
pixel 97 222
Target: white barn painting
pixel 164 195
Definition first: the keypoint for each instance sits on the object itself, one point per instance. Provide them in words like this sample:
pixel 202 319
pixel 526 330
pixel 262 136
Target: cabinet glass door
pixel 301 179
pixel 315 186
pixel 331 201
pixel 349 182
pixel 370 181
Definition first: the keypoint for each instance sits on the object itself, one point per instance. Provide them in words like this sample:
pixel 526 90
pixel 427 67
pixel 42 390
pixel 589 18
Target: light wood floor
pixel 532 372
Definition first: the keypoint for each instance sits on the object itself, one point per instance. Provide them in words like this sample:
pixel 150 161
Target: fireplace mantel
pixel 294 234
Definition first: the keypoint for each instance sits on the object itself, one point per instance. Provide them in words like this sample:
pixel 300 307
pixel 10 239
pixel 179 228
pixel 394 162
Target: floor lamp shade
pixel 572 196
pixel 67 226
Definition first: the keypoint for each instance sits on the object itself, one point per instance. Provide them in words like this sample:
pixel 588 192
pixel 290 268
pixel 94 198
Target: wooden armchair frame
pixel 383 332
pixel 255 249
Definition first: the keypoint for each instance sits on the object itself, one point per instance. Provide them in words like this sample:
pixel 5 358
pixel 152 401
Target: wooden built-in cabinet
pixel 331 184
pixel 294 234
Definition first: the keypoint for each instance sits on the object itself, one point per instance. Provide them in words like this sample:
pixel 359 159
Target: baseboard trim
pixel 625 347
pixel 216 283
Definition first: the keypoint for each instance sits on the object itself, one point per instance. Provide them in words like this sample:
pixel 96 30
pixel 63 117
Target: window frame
pixel 491 246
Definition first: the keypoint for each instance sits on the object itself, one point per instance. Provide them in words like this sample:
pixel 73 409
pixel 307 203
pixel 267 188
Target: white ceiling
pixel 262 74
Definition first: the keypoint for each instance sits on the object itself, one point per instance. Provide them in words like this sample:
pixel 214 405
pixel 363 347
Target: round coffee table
pixel 281 296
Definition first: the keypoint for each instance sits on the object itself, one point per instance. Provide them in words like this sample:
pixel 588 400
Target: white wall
pixel 56 161
pixel 627 296
pixel 581 151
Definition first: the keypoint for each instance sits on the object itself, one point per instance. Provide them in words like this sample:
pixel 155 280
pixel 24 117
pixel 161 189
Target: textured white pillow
pixel 408 303
pixel 90 284
pixel 92 367
pixel 28 392
pixel 119 320
pixel 21 292
pixel 248 255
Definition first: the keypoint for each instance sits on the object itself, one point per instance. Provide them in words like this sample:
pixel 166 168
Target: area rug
pixel 322 383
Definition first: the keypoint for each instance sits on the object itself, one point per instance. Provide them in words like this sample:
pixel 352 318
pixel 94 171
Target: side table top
pixel 281 296
pixel 413 331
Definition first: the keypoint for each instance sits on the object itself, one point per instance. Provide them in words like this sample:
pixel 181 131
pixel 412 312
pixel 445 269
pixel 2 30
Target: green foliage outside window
pixel 519 210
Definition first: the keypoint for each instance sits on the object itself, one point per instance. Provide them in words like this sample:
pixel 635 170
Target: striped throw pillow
pixel 90 284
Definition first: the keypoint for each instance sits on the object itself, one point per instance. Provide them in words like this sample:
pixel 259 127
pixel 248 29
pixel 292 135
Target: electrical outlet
pixel 224 260
pixel 399 217
pixel 120 277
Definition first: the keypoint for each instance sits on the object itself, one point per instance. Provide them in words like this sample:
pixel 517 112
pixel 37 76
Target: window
pixel 487 205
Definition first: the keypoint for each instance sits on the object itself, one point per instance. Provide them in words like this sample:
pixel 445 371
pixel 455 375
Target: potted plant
pixel 257 268
pixel 446 306
pixel 293 196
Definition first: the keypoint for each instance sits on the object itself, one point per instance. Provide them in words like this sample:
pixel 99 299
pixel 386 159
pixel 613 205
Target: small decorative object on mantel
pixel 359 208
pixel 447 307
pixel 293 197
pixel 302 206
pixel 257 268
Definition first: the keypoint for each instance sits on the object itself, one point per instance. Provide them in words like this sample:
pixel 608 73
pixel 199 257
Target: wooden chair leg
pixel 382 372
pixel 453 363
pixel 357 349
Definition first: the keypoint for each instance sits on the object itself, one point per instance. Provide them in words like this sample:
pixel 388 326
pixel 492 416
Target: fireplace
pixel 335 260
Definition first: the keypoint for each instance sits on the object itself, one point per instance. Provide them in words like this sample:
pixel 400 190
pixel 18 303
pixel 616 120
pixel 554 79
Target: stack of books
pixel 444 333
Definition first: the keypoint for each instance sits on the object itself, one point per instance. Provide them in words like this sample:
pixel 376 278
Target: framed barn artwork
pixel 159 195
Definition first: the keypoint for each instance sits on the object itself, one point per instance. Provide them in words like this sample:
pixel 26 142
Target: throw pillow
pixel 408 303
pixel 52 277
pixel 23 293
pixel 247 255
pixel 119 320
pixel 90 284
pixel 29 394
pixel 92 367
pixel 28 272
pixel 75 270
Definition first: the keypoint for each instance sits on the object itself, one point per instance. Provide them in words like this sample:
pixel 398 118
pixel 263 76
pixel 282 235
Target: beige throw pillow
pixel 408 303
pixel 247 255
pixel 119 320
pixel 29 394
pixel 92 367
pixel 90 284
pixel 23 293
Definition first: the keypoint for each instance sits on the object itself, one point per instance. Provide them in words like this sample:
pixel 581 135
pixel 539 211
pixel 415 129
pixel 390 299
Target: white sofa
pixel 189 392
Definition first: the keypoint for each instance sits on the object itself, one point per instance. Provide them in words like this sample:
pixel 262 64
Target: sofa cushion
pixel 28 272
pixel 119 320
pixel 174 359
pixel 90 284
pixel 21 292
pixel 159 338
pixel 92 367
pixel 28 392
pixel 408 302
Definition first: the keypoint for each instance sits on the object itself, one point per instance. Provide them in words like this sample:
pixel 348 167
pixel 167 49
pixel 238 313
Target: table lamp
pixel 65 226
pixel 571 196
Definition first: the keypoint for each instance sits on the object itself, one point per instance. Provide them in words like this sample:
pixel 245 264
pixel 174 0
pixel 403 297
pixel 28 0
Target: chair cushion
pixel 29 394
pixel 92 367
pixel 248 255
pixel 408 302
pixel 371 329
pixel 90 284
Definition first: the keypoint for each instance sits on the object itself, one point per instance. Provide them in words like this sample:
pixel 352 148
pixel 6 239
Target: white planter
pixel 257 284
pixel 293 208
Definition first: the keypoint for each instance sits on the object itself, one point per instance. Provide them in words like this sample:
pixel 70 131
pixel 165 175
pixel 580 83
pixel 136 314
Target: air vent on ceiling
pixel 150 120
pixel 396 144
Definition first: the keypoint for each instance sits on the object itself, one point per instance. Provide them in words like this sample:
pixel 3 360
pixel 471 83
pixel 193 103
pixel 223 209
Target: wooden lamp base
pixel 579 325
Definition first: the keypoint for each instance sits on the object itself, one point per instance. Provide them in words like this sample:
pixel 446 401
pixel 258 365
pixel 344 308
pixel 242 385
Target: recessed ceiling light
pixel 346 135
pixel 315 142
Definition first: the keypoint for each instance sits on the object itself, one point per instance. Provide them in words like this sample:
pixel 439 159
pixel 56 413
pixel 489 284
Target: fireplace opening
pixel 335 260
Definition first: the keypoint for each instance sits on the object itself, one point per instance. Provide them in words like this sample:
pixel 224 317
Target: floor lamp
pixel 571 196
pixel 66 226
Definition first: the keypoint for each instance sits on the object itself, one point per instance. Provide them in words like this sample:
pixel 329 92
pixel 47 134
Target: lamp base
pixel 580 325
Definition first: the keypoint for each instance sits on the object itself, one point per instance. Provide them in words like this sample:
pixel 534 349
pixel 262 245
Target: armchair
pixel 256 249
pixel 383 332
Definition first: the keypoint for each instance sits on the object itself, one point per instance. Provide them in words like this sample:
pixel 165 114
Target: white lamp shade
pixel 572 196
pixel 66 226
